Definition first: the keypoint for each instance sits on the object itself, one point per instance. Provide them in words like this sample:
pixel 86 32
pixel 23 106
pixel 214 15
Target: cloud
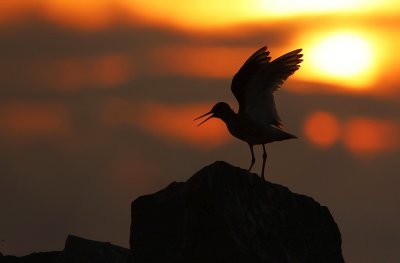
pixel 172 123
pixel 34 120
pixel 201 61
pixel 103 71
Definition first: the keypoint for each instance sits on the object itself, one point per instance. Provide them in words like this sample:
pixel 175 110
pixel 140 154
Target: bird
pixel 257 121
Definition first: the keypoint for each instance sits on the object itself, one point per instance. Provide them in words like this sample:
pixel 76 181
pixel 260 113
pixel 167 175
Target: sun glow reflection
pixel 362 136
pixel 365 136
pixel 322 129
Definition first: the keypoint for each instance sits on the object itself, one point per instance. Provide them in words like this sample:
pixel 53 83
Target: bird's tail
pixel 285 136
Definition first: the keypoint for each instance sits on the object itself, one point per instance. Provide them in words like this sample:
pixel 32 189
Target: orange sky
pixel 101 13
pixel 355 60
pixel 362 53
pixel 339 51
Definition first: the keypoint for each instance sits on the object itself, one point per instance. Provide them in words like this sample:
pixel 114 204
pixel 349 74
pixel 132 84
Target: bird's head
pixel 220 110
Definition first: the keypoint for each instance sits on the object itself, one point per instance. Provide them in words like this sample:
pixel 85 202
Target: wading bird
pixel 257 121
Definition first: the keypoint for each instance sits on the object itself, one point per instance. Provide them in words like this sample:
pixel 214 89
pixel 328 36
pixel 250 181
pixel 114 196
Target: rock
pixel 37 257
pixel 79 250
pixel 226 214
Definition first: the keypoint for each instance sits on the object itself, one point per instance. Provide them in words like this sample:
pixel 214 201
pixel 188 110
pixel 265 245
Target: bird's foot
pixel 251 165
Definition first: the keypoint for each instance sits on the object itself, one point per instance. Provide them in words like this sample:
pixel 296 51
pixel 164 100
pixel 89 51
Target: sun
pixel 345 58
pixel 342 55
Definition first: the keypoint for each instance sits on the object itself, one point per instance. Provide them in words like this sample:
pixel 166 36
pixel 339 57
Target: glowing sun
pixel 345 57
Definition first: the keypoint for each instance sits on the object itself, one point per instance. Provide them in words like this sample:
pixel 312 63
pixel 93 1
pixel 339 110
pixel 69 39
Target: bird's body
pixel 257 121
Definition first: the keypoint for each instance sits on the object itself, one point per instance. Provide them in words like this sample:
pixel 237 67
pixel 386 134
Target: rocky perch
pixel 76 250
pixel 226 214
pixel 221 214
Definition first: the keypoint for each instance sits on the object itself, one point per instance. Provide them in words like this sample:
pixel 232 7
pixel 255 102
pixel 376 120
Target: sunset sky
pixel 98 97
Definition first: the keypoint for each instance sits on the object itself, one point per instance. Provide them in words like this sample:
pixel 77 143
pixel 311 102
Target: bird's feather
pixel 257 80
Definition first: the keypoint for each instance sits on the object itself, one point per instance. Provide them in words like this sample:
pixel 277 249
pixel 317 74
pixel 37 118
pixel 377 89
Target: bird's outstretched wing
pixel 257 80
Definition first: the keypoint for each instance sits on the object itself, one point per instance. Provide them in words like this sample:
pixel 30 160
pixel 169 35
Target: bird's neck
pixel 229 116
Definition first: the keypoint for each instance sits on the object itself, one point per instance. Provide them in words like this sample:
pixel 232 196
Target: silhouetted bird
pixel 257 121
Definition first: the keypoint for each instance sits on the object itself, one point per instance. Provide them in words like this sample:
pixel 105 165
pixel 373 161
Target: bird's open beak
pixel 208 113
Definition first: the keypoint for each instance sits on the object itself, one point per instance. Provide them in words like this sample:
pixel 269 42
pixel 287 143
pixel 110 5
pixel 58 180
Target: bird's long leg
pixel 264 160
pixel 253 159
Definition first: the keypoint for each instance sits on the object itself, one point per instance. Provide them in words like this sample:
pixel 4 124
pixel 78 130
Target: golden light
pixel 347 58
pixel 321 129
pixel 194 14
pixel 290 7
pixel 206 14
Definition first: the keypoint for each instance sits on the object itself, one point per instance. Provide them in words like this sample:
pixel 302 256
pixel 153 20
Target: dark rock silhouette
pixel 39 257
pixel 76 250
pixel 226 214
